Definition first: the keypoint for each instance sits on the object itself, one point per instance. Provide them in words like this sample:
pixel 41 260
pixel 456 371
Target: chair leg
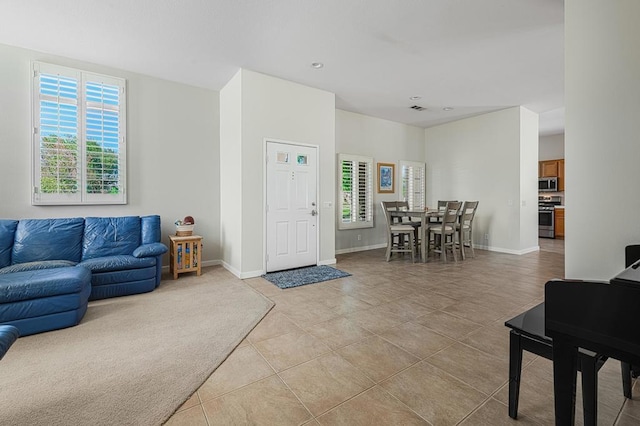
pixel 434 246
pixel 515 371
pixel 453 247
pixel 461 243
pixel 443 247
pixel 389 244
pixel 413 247
pixel 441 243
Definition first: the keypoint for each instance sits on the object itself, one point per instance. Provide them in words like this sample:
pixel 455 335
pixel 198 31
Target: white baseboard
pixel 241 275
pixel 328 262
pixel 508 251
pixel 363 248
pixel 251 274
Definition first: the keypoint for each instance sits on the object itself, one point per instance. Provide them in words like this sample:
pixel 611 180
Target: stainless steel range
pixel 547 215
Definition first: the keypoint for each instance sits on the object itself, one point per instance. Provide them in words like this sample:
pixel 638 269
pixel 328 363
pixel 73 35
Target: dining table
pixel 424 215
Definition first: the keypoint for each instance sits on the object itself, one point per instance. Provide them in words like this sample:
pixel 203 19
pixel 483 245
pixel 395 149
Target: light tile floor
pixel 396 343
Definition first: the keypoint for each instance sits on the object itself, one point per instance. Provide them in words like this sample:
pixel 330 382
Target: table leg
pixel 515 371
pixel 626 379
pixel 564 381
pixel 589 371
pixel 424 241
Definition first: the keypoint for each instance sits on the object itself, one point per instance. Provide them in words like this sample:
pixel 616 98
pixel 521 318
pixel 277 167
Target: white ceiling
pixel 472 55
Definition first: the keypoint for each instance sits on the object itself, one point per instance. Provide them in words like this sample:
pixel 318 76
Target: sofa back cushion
pixel 150 229
pixel 110 236
pixel 36 266
pixel 7 233
pixel 48 239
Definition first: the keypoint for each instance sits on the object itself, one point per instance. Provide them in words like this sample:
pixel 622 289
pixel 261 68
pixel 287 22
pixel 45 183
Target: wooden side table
pixel 185 254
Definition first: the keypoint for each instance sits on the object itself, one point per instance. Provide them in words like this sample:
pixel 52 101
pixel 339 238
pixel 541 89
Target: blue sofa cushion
pixel 43 307
pixel 34 266
pixel 108 236
pixel 7 233
pixel 122 277
pixel 28 285
pixel 150 229
pixel 48 239
pixel 149 250
pixel 118 263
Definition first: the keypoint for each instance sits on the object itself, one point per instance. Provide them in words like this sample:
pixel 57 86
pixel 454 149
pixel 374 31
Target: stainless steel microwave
pixel 548 184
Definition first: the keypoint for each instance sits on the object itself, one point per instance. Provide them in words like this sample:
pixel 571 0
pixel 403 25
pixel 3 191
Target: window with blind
pixel 413 184
pixel 79 154
pixel 355 209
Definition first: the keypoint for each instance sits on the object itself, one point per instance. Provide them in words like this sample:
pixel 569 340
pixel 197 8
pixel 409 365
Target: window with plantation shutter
pixel 413 184
pixel 355 209
pixel 79 154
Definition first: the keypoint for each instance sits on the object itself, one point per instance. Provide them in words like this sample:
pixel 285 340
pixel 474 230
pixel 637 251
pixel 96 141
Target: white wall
pixel 551 147
pixel 172 152
pixel 231 173
pixel 491 158
pixel 285 111
pixel 387 142
pixel 602 93
pixel 528 179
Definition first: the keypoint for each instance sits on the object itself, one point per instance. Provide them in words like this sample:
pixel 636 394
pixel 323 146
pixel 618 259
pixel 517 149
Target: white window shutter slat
pixel 413 184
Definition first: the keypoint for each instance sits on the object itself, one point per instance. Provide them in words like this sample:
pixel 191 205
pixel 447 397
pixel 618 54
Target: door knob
pixel 314 213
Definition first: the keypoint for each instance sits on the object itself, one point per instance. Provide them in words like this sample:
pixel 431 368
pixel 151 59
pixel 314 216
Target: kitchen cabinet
pixel 559 225
pixel 549 168
pixel 552 168
pixel 561 175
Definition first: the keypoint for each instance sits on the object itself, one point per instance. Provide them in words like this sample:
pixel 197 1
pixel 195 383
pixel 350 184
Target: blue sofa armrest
pixel 150 250
pixel 8 335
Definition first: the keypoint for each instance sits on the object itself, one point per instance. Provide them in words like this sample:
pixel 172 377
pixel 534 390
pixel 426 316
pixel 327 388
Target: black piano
pixel 603 317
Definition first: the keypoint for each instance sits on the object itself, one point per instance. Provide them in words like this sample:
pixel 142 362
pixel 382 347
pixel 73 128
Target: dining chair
pixel 400 236
pixel 465 227
pixel 407 220
pixel 441 205
pixel 444 234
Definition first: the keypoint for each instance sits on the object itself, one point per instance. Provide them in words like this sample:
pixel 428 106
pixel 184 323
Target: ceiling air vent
pixel 418 108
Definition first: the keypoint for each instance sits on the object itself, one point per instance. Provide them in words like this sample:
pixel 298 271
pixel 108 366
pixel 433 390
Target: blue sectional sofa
pixel 8 335
pixel 51 268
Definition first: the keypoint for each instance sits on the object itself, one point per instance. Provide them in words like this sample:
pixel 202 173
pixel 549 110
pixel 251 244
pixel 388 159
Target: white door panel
pixel 291 206
pixel 302 235
pixel 301 195
pixel 282 238
pixel 282 188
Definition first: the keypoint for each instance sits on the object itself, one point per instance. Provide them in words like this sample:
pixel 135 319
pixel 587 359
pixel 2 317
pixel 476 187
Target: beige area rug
pixel 132 360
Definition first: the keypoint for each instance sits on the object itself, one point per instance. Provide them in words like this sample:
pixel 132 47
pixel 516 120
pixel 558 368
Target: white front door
pixel 292 211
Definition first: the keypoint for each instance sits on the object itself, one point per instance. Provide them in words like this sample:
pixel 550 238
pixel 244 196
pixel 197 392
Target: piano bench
pixel 527 334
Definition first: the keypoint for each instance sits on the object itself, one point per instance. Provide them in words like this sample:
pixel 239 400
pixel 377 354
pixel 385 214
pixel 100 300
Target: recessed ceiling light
pixel 415 98
pixel 447 108
pixel 317 65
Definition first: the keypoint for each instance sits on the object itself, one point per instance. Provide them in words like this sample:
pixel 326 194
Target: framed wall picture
pixel 386 176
